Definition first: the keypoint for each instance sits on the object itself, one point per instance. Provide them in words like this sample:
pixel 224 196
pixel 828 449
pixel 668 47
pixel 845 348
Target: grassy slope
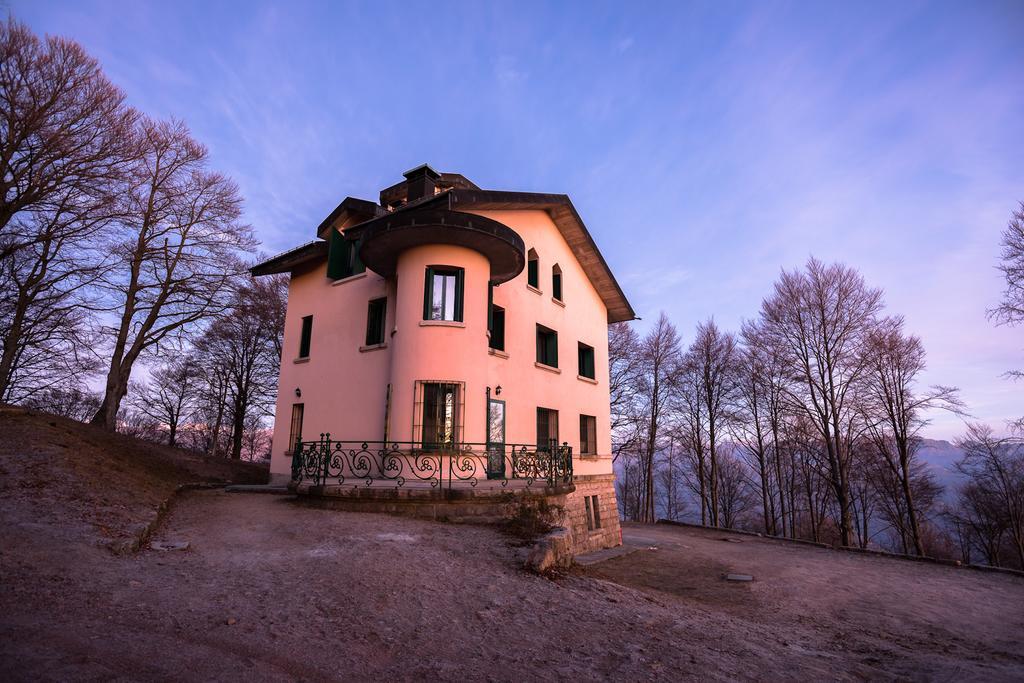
pixel 74 483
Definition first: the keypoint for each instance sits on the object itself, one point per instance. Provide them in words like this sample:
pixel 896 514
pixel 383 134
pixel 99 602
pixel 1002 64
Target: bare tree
pixel 245 346
pixel 179 241
pixel 752 426
pixel 169 396
pixel 894 408
pixel 1010 310
pixel 734 498
pixel 63 128
pixel 671 479
pixel 623 369
pixel 994 467
pixel 64 145
pixel 659 362
pixel 73 403
pixel 819 319
pixel 711 361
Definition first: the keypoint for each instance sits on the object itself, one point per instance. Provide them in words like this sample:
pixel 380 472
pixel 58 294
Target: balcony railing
pixel 376 463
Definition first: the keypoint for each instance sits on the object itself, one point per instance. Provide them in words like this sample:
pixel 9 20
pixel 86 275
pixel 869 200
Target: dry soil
pixel 273 590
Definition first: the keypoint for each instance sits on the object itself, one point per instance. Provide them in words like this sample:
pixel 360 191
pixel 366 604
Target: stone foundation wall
pixel 609 534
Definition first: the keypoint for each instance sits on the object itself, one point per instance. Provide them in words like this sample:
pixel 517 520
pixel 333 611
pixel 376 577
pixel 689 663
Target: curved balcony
pixel 384 238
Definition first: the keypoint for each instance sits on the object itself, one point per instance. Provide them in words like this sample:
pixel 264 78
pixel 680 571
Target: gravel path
pixel 272 590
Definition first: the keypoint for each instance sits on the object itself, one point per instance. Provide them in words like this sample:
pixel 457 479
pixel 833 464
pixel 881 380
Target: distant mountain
pixel 939 455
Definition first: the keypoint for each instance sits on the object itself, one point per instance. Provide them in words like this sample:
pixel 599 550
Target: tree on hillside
pixel 244 346
pixel 752 427
pixel 658 365
pixel 178 239
pixel 169 397
pixel 711 362
pixel 623 369
pixel 994 467
pixel 1010 310
pixel 818 319
pixel 65 143
pixel 894 411
pixel 63 128
pixel 773 378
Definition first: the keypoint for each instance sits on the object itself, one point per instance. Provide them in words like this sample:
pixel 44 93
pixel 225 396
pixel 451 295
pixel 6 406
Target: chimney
pixel 420 182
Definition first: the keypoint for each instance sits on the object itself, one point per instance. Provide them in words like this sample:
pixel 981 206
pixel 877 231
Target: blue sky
pixel 706 145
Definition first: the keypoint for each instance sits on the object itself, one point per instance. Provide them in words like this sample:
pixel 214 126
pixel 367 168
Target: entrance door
pixel 495 439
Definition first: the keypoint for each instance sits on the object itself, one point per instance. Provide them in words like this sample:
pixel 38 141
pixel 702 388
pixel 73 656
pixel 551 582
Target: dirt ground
pixel 273 590
pixel 70 481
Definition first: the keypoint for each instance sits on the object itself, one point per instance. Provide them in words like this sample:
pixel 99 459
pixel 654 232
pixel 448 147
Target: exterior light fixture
pixel 497 390
pixel 298 392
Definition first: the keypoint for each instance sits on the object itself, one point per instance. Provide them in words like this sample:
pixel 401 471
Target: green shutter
pixel 490 308
pixel 336 256
pixel 357 263
pixel 553 349
pixel 306 337
pixel 556 285
pixel 427 283
pixel 532 276
pixel 459 277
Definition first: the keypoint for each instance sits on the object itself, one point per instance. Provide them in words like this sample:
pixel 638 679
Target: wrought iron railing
pixel 370 463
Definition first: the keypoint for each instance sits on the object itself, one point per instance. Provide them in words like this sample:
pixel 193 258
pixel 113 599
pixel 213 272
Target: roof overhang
pixel 384 238
pixel 564 215
pixel 288 261
pixel 351 211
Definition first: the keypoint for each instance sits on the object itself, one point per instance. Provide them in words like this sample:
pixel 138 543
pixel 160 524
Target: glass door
pixel 495 439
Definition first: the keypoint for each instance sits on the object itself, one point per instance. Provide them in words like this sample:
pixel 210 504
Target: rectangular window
pixel 497 328
pixel 586 361
pixel 375 319
pixel 442 294
pixel 588 435
pixel 307 336
pixel 593 512
pixel 295 433
pixel 556 284
pixel 547 346
pixel 547 428
pixel 440 415
pixel 343 257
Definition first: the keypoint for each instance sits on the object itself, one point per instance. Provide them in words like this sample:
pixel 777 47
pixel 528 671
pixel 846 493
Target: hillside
pixel 65 481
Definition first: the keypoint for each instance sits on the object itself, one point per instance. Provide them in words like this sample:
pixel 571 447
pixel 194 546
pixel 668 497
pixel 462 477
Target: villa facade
pixel 451 339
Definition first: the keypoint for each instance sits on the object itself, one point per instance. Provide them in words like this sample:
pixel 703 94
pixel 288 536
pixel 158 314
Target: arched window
pixel 556 283
pixel 532 269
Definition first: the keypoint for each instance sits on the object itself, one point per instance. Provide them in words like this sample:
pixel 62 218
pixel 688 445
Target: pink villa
pixel 446 354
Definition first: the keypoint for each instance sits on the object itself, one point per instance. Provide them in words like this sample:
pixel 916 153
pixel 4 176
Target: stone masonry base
pixel 607 534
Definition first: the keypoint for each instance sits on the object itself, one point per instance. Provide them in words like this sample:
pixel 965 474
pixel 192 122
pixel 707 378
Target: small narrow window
pixel 442 294
pixel 590 513
pixel 595 511
pixel 532 269
pixel 556 283
pixel 295 433
pixel 375 317
pixel 497 341
pixel 547 428
pixel 547 346
pixel 307 336
pixel 588 435
pixel 343 257
pixel 586 361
